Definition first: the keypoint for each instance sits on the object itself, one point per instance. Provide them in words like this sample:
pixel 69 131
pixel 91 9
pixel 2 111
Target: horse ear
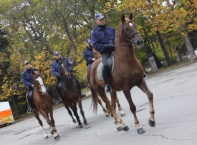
pixel 123 18
pixel 32 71
pixel 131 16
pixel 40 71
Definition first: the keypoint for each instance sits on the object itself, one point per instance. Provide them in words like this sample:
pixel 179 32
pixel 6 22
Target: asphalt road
pixel 175 100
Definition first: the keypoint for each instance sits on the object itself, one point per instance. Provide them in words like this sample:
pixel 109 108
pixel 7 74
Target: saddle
pixel 110 65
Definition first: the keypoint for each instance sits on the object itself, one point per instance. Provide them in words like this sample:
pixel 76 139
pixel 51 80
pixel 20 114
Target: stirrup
pixel 56 101
pixel 29 110
pixel 83 95
pixel 107 88
pixel 145 76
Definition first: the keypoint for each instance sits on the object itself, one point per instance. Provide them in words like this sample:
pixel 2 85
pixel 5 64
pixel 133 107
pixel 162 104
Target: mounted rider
pixel 88 53
pixel 56 73
pixel 103 39
pixel 27 79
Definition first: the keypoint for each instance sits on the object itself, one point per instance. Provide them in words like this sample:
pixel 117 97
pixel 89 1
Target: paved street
pixel 175 100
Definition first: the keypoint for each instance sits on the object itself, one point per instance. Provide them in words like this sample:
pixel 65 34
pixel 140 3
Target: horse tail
pixel 94 99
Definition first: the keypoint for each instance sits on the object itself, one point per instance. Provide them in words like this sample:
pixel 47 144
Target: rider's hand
pixel 66 73
pixel 111 46
pixel 93 59
pixel 32 85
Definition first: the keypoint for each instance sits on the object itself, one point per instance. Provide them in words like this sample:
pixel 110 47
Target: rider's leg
pixel 58 89
pixel 105 71
pixel 50 92
pixel 78 85
pixel 29 98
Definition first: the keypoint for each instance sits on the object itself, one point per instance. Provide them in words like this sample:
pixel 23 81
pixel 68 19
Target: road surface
pixel 175 100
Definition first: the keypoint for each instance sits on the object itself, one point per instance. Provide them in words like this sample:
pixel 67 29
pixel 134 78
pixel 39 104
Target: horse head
pixel 129 31
pixel 63 69
pixel 38 81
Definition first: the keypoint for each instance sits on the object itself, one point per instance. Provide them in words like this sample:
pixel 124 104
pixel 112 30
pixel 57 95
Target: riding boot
pixel 58 89
pixel 78 86
pixel 29 101
pixel 106 79
pixel 49 91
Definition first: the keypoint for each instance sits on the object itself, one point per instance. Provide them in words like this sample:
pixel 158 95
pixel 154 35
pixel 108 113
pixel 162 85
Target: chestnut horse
pixel 97 55
pixel 126 73
pixel 43 104
pixel 70 93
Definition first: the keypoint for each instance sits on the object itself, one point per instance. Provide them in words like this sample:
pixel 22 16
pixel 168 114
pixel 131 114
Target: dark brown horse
pixel 43 104
pixel 127 73
pixel 70 93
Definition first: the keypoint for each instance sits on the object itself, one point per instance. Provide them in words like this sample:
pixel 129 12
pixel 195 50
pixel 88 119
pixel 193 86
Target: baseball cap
pixel 98 16
pixel 56 53
pixel 26 62
pixel 88 41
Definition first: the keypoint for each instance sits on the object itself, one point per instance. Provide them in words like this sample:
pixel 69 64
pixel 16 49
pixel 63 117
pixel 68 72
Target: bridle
pixel 129 37
pixel 65 68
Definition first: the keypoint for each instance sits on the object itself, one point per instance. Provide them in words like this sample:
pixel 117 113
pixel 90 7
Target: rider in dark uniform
pixel 56 73
pixel 27 79
pixel 103 39
pixel 88 53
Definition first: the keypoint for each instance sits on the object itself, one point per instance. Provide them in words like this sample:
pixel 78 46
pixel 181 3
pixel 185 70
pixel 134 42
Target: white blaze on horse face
pixel 130 24
pixel 43 89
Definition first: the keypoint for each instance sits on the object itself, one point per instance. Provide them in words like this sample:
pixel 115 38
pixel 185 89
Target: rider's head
pixel 88 42
pixel 99 19
pixel 56 55
pixel 27 64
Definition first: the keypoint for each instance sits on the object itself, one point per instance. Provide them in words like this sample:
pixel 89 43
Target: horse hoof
pixel 151 123
pixel 140 130
pixel 107 115
pixel 85 123
pixel 126 128
pixel 81 126
pixel 46 137
pixel 123 114
pixel 119 128
pixel 57 137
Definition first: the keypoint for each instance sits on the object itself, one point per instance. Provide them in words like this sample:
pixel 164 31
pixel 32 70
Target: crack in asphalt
pixel 168 138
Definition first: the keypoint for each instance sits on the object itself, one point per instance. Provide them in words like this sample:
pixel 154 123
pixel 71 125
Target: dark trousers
pixel 105 71
pixel 30 97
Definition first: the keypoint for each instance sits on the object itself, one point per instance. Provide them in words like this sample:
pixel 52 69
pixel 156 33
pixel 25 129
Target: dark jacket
pixel 27 77
pixel 55 69
pixel 101 37
pixel 88 54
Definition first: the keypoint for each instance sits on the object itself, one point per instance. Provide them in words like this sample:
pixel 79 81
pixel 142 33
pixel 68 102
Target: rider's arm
pixel 87 57
pixel 70 65
pixel 54 71
pixel 24 80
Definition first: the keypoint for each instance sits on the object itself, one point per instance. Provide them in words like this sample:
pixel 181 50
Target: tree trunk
pixel 169 61
pixel 189 47
pixel 15 107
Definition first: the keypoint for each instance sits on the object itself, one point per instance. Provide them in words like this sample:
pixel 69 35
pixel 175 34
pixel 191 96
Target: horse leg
pixel 40 122
pixel 74 108
pixel 70 113
pixel 133 110
pixel 145 89
pixel 81 111
pixel 117 120
pixel 53 128
pixel 50 123
pixel 107 113
pixel 122 114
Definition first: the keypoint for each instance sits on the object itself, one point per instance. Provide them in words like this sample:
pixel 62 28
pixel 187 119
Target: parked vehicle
pixel 6 116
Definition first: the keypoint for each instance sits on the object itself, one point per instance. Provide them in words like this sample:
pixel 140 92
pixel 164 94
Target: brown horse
pixel 70 93
pixel 43 104
pixel 127 73
pixel 97 55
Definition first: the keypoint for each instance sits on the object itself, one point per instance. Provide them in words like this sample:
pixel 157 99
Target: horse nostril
pixel 139 42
